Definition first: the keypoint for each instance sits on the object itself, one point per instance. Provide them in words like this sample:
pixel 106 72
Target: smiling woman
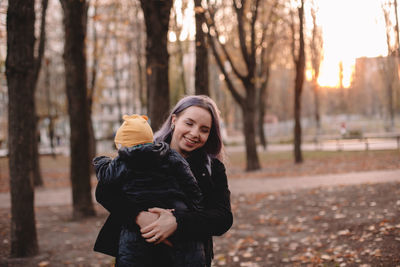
pixel 192 129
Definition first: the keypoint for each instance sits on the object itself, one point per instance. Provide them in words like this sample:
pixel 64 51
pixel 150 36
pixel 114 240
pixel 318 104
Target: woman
pixel 192 129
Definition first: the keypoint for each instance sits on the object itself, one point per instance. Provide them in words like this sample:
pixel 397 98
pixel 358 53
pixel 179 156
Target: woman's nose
pixel 195 132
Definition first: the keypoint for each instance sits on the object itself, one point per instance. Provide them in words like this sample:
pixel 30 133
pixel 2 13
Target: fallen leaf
pixel 43 263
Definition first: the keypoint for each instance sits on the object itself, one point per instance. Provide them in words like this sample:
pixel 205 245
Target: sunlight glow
pixel 351 29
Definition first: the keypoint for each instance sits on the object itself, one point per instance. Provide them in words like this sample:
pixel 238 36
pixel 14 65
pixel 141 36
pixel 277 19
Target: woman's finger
pixel 157 210
pixel 149 234
pixel 148 228
pixel 154 239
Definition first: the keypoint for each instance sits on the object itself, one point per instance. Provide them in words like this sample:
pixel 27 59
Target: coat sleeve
pixel 216 218
pixel 108 171
pixel 109 189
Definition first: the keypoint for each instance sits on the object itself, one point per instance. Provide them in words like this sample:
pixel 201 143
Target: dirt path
pixel 58 197
pixel 257 185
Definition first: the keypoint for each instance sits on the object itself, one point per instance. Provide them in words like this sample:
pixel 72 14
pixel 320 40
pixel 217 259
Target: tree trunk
pixel 92 136
pixel 37 175
pixel 390 106
pixel 201 70
pixel 180 55
pixel 262 106
pixel 50 114
pixel 298 156
pixel 300 67
pixel 140 71
pixel 261 115
pixel 116 74
pixel 75 18
pixel 316 107
pixel 249 130
pixel 156 15
pixel 21 129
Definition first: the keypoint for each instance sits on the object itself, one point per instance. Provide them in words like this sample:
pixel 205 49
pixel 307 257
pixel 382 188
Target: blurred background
pixel 304 87
pixel 351 81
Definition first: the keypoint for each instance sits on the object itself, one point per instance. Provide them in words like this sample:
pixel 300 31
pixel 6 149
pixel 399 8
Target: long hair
pixel 214 146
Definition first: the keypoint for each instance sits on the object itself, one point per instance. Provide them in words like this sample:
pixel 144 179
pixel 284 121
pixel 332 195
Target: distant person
pixel 343 129
pixel 193 130
pixel 147 175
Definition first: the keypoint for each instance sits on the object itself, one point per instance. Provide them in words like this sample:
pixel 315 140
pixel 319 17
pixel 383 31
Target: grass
pixel 276 164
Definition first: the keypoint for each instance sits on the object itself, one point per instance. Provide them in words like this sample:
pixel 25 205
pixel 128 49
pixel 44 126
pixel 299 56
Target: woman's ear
pixel 173 119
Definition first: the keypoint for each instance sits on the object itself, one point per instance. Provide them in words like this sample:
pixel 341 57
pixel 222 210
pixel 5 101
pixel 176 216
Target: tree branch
pixel 241 31
pixel 42 41
pixel 211 24
pixel 239 99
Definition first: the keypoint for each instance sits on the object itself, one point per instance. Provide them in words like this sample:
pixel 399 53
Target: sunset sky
pixel 351 29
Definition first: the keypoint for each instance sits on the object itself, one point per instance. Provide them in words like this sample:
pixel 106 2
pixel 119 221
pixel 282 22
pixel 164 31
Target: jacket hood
pixel 144 155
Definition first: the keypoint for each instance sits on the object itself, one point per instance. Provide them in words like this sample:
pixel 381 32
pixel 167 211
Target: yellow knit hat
pixel 134 131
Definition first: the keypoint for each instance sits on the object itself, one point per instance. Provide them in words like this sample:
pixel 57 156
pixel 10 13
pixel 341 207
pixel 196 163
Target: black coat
pixel 214 219
pixel 149 176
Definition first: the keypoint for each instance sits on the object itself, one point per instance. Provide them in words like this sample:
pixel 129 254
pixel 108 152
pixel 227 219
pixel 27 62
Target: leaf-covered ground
pixel 328 226
pixel 334 226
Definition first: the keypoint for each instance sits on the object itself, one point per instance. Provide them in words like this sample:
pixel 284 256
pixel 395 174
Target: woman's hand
pixel 145 218
pixel 159 230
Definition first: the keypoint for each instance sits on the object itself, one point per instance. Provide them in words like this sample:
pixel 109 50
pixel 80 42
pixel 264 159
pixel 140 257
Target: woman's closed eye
pixel 205 130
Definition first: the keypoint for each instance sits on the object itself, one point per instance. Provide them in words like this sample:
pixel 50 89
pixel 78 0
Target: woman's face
pixel 192 128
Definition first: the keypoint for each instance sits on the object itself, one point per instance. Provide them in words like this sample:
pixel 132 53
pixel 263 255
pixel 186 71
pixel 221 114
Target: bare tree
pixel 97 54
pixel 299 61
pixel 156 15
pixel 75 20
pixel 316 46
pixel 20 71
pixel 266 58
pixel 177 26
pixel 343 102
pixel 138 49
pixel 201 69
pixel 390 70
pixel 37 177
pixel 248 46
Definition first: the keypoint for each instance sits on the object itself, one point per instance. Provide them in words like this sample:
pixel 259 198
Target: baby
pixel 147 175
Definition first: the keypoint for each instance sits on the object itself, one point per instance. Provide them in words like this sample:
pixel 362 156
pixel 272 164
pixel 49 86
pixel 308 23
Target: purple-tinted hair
pixel 214 145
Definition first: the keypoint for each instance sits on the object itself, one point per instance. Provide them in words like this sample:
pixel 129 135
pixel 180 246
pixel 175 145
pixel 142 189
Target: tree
pixel 250 43
pixel 390 69
pixel 343 102
pixel 299 59
pixel 178 49
pixel 316 46
pixel 20 66
pixel 75 20
pixel 156 15
pixel 97 54
pixel 37 177
pixel 266 58
pixel 201 69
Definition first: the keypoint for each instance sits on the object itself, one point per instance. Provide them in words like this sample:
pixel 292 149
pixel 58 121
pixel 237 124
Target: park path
pixel 62 196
